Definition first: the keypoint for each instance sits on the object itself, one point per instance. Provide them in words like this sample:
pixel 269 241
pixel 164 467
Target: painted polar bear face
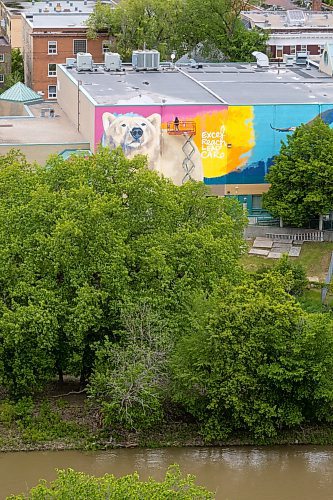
pixel 134 134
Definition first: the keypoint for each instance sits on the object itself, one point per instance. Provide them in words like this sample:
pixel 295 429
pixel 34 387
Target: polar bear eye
pixel 143 124
pixel 123 124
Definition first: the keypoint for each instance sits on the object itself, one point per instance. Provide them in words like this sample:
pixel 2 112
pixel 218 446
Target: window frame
pixel 279 50
pixel 51 74
pixel 258 204
pixel 54 51
pixel 79 40
pixel 2 78
pixel 292 50
pixel 2 58
pixel 51 95
pixel 105 48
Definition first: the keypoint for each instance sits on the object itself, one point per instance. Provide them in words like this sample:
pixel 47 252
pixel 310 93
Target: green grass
pixel 315 257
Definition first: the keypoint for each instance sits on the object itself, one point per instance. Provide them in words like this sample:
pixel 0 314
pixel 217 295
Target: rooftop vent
pixel 262 59
pixel 295 17
pixel 145 60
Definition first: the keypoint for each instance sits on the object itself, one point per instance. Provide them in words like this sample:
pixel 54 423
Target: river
pixel 236 473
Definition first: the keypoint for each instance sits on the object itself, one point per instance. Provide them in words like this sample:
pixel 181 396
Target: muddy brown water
pixel 236 473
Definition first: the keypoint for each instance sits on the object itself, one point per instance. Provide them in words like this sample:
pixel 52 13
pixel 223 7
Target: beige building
pixel 35 128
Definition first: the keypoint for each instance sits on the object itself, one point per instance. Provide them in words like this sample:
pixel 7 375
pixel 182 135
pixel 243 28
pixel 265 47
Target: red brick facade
pixel 44 49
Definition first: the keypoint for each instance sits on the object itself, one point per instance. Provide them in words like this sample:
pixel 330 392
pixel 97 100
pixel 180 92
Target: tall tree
pixel 211 27
pixel 302 175
pixel 81 238
pixel 253 361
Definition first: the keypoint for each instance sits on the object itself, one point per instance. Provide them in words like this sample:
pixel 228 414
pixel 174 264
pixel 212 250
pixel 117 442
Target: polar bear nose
pixel 136 133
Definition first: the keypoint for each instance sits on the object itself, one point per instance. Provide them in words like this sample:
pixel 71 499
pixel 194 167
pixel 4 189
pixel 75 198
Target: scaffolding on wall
pixel 188 130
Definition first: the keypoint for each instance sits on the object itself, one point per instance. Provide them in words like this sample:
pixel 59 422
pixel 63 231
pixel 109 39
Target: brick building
pixel 49 38
pixel 5 60
pixel 293 31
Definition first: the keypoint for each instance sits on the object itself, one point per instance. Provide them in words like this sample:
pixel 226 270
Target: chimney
pixel 316 5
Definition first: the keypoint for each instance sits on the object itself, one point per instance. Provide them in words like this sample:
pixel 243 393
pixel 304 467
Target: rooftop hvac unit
pixel 302 58
pixel 112 61
pixel 145 60
pixel 84 61
pixel 288 59
pixel 70 62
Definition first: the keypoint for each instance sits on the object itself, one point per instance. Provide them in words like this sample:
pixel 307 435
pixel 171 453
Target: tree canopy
pixel 210 27
pixel 253 361
pixel 82 240
pixel 302 175
pixel 80 486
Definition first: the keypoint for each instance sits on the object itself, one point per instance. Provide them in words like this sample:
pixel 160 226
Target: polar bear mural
pixel 137 134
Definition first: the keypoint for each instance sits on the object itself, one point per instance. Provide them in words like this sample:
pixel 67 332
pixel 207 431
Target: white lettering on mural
pixel 213 144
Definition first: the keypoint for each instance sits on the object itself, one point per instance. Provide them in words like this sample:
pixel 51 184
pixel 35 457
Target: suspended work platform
pixel 183 127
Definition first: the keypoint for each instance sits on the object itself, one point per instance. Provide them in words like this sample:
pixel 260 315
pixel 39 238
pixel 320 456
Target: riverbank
pixel 79 434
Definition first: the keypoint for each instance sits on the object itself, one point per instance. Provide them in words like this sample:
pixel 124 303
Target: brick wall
pixel 40 58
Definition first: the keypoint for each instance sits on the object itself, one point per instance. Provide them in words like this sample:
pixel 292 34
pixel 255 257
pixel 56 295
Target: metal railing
pixel 309 236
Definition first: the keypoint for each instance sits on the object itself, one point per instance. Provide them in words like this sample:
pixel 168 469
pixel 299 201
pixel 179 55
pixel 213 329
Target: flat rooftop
pixel 237 84
pixel 289 20
pixel 38 129
pixel 55 20
pixel 62 6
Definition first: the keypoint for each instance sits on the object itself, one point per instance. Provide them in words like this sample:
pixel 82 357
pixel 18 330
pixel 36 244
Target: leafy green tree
pixel 135 24
pixel 129 379
pixel 81 238
pixel 211 27
pixel 80 486
pixel 301 177
pixel 215 29
pixel 254 361
pixel 17 70
pixel 294 274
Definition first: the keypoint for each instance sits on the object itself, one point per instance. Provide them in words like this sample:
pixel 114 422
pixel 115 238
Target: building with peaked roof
pixel 221 123
pixel 20 93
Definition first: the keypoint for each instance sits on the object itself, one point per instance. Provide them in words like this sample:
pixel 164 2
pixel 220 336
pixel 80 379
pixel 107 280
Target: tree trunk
pixel 320 222
pixel 281 222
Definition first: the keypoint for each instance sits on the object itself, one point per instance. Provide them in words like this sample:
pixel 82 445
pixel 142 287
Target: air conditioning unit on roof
pixel 112 61
pixel 84 61
pixel 145 60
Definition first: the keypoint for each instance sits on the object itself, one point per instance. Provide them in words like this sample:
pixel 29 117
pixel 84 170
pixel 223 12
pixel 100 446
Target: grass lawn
pixel 315 257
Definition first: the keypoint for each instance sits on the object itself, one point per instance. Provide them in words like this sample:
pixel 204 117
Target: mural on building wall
pixel 181 142
pixel 271 124
pixel 220 144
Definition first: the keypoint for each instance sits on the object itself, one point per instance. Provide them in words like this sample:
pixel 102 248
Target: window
pixel 52 47
pixel 292 50
pixel 321 49
pixel 52 91
pixel 256 202
pixel 52 70
pixel 279 51
pixel 304 48
pixel 79 46
pixel 2 57
pixel 325 58
pixel 105 46
pixel 2 78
